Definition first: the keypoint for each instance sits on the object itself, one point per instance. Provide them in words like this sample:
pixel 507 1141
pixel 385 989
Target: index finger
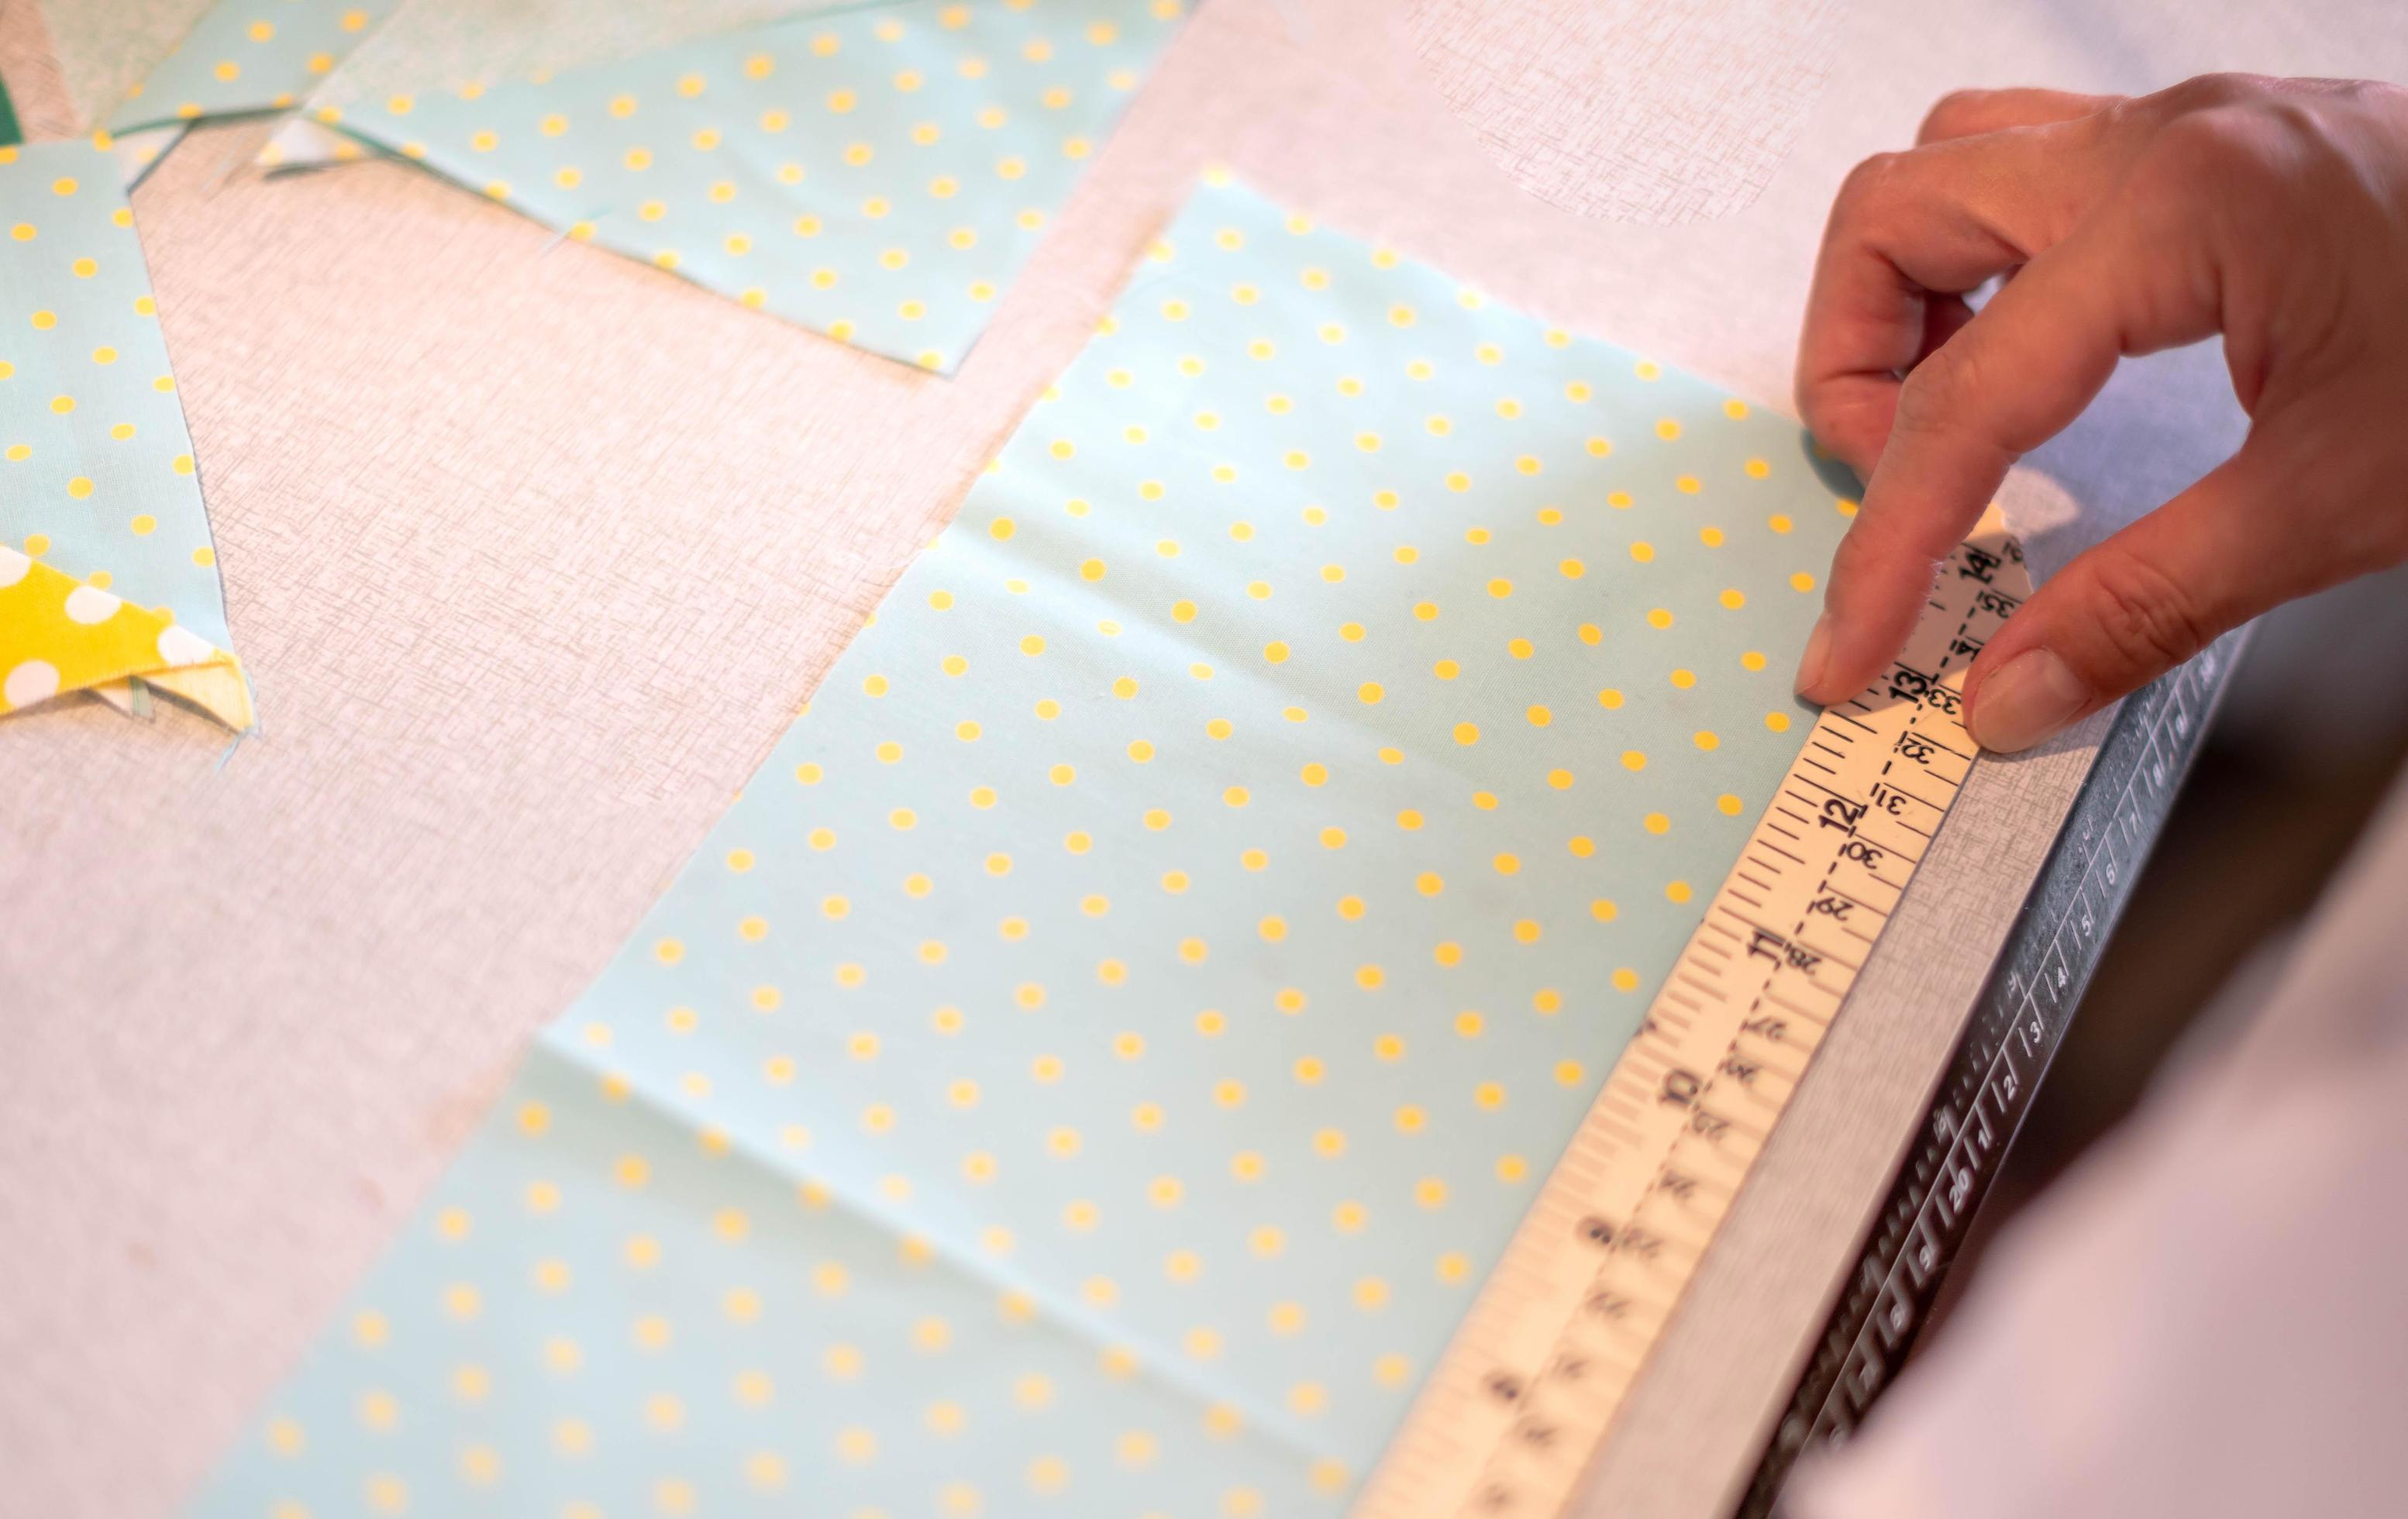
pixel 1908 233
pixel 2014 377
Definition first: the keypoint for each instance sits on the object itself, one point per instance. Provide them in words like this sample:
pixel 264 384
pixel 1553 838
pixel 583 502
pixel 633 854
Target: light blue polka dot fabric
pixel 96 470
pixel 1094 1064
pixel 248 56
pixel 878 175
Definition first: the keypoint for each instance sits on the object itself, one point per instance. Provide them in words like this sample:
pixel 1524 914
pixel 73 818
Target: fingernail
pixel 1817 655
pixel 2026 702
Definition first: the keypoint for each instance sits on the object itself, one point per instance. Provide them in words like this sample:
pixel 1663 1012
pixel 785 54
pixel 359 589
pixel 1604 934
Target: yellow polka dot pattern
pixel 878 174
pixel 1182 930
pixel 109 571
pixel 606 1308
pixel 246 56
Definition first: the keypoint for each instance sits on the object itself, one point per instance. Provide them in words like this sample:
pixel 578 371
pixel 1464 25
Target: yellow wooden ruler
pixel 1531 1382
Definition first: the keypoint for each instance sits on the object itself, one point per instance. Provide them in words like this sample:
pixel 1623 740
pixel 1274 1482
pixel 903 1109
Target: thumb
pixel 2146 599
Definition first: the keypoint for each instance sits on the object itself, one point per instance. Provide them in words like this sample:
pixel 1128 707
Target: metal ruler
pixel 2017 1023
pixel 1537 1371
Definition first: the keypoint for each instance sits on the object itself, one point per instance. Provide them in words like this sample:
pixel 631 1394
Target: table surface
pixel 533 552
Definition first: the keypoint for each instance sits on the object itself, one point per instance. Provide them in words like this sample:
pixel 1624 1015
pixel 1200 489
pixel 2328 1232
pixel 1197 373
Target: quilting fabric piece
pixel 243 57
pixel 877 175
pixel 466 46
pixel 1187 922
pixel 98 485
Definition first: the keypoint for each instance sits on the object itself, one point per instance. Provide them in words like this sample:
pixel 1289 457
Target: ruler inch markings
pixel 1528 1389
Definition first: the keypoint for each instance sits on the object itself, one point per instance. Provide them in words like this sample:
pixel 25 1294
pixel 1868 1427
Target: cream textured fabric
pixel 1636 111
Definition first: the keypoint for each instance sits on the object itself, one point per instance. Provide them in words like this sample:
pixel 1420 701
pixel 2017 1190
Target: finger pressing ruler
pixel 1561 1330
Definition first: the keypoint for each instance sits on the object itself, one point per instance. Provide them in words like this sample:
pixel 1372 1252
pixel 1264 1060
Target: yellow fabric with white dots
pixel 1092 1065
pixel 106 568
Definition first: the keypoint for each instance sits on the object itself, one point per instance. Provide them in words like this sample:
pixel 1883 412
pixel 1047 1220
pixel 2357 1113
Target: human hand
pixel 2272 211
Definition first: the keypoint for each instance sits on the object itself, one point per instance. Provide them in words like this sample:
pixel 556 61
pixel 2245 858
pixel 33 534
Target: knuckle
pixel 2222 142
pixel 1877 547
pixel 2354 91
pixel 2383 99
pixel 2211 165
pixel 1954 113
pixel 2136 120
pixel 2208 92
pixel 1869 182
pixel 1856 551
pixel 1880 579
pixel 2145 619
pixel 1938 388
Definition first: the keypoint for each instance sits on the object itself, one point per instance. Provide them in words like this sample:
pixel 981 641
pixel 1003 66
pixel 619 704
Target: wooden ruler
pixel 1531 1382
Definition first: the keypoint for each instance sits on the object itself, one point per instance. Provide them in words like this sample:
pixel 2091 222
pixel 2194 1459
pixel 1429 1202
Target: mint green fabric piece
pixel 437 45
pixel 431 47
pixel 603 1313
pixel 244 57
pixel 96 468
pixel 878 175
pixel 1191 917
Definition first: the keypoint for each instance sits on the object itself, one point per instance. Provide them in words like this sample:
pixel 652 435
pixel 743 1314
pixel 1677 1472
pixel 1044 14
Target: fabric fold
pixel 875 1211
